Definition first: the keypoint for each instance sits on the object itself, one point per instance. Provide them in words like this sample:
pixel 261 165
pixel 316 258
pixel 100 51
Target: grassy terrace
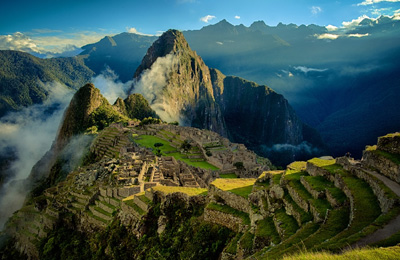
pixel 226 209
pixel 365 204
pixel 135 207
pixel 187 190
pixel 288 223
pixel 167 150
pixel 319 183
pixel 228 176
pixel 266 229
pixel 287 245
pixel 365 254
pixel 96 217
pixel 305 217
pixel 232 247
pixel 393 157
pixel 241 187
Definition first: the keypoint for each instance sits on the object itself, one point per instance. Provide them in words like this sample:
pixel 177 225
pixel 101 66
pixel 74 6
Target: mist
pixel 110 86
pixel 151 85
pixel 29 133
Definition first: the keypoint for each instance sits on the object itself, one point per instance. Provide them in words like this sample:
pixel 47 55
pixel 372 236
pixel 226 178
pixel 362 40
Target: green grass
pixel 289 244
pixel 305 217
pixel 135 207
pixel 144 199
pixel 390 156
pixel 365 203
pixel 364 254
pixel 232 247
pixel 96 217
pixel 187 190
pixel 318 183
pixel 336 222
pixel 288 223
pixel 102 211
pixel 246 242
pixel 243 191
pixel 226 209
pixel 266 229
pixel 276 178
pixel 321 205
pixel 321 162
pixel 390 241
pixel 167 150
pixel 228 176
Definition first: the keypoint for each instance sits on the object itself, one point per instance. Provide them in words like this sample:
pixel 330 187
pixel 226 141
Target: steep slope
pixel 241 110
pixel 122 53
pixel 172 210
pixel 135 106
pixel 87 112
pixel 23 78
pixel 186 95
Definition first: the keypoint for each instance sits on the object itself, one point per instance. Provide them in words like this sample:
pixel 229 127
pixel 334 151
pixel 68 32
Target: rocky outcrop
pixel 372 158
pixel 188 91
pixel 135 106
pixel 389 143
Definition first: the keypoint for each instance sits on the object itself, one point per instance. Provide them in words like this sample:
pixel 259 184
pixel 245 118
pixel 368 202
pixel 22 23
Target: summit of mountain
pixel 198 96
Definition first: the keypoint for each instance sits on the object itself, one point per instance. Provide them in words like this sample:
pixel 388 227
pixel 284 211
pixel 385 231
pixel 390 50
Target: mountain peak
pixel 171 41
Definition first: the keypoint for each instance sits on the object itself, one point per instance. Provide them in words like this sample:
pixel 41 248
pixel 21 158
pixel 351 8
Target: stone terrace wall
pixel 384 165
pixel 390 143
pixel 230 199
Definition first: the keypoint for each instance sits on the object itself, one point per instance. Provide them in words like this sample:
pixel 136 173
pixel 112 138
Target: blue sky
pixel 51 23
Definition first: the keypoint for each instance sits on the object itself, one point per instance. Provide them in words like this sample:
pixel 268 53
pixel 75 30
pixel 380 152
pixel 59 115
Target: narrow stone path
pixel 394 186
pixel 393 226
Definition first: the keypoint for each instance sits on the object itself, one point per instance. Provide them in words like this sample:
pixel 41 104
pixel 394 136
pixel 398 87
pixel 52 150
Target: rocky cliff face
pixel 187 93
pixel 135 106
pixel 205 98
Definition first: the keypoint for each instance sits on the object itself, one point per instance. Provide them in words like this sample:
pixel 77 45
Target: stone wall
pixel 314 170
pixel 385 202
pixel 390 143
pixel 316 194
pixel 227 220
pixel 230 199
pixel 382 164
pixel 299 200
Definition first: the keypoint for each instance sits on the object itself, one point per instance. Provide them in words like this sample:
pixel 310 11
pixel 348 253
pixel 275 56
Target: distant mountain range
pixel 342 81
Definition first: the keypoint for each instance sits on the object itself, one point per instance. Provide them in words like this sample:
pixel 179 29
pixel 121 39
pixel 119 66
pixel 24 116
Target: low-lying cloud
pixel 29 133
pixel 151 85
pixel 305 70
pixel 110 86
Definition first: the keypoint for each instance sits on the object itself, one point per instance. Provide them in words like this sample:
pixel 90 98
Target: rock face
pixel 86 100
pixel 188 92
pixel 135 106
pixel 233 107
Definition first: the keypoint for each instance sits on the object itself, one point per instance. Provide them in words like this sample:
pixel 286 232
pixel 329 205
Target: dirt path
pixel 392 227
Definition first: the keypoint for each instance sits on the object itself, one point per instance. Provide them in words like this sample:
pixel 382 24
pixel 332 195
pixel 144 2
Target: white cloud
pixel 305 70
pixel 151 85
pixel 355 22
pixel 207 18
pixel 331 28
pixel 133 30
pixel 315 10
pixel 39 44
pixel 30 133
pixel 370 2
pixel 237 17
pixel 328 36
pixel 357 35
pixel 110 87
